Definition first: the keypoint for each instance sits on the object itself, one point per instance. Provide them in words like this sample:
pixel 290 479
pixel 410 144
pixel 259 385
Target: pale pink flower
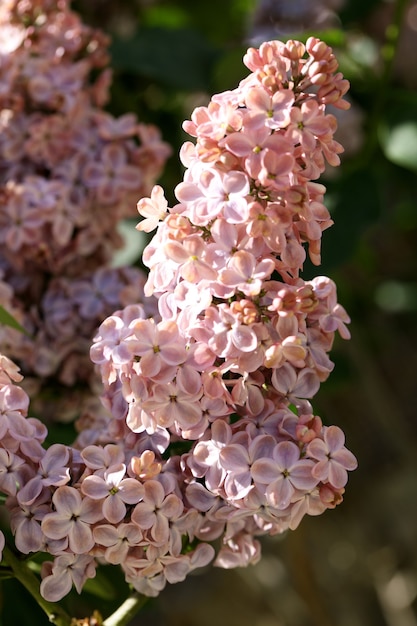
pixel 25 524
pixel 229 336
pixel 160 566
pixel 100 458
pixel 245 274
pixel 272 111
pixel 170 404
pixel 214 194
pixel 110 128
pixel 109 342
pixel 332 456
pixel 283 473
pixel 189 254
pixel 149 586
pixel 153 209
pixel 9 371
pixel 239 459
pixel 156 512
pixel 72 519
pixel 228 193
pixel 308 122
pixel 205 458
pixel 201 555
pixel 247 391
pixel 305 503
pixel 214 121
pixel 252 145
pixel 158 346
pixel 292 384
pixel 53 470
pixel 319 344
pixel 112 174
pixel 276 169
pixel 292 349
pixel 66 570
pixel 269 55
pixel 12 472
pixel 113 491
pixel 269 222
pixel 185 304
pixel 336 319
pixel 308 427
pixel 330 496
pixel 330 314
pixel 117 540
pixel 146 466
pixel 226 240
pixel 239 551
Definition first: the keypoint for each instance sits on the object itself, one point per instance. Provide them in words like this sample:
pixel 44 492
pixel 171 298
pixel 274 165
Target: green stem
pixel 27 578
pixel 126 611
pixel 56 615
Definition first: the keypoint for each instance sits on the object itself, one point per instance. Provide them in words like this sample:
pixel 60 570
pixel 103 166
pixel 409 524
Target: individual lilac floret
pixel 333 458
pixel 71 519
pixel 67 570
pixel 114 492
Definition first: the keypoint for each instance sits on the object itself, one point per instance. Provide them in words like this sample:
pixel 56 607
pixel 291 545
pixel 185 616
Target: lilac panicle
pixel 207 431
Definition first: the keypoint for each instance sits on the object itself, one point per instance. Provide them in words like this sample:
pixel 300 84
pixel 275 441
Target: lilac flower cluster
pixel 69 171
pixel 103 503
pixel 207 439
pixel 217 388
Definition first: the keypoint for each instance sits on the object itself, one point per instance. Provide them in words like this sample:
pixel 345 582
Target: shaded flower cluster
pixel 207 438
pixel 69 172
pixel 104 503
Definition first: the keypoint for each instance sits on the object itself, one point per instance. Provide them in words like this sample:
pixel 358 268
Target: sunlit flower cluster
pixel 69 172
pixel 217 387
pixel 207 438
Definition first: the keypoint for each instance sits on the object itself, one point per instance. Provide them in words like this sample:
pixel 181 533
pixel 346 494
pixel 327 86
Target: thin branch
pixel 27 578
pixel 126 611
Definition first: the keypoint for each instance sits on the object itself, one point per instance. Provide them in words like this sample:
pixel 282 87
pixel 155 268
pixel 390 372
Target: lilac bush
pixel 207 438
pixel 69 172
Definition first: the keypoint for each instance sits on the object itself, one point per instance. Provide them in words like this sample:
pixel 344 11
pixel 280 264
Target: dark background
pixel 356 565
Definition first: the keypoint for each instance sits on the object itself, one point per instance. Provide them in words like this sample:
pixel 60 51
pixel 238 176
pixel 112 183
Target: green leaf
pixel 353 205
pixel 134 242
pixel 100 586
pixel 398 130
pixel 166 16
pixel 180 58
pixel 399 142
pixel 8 320
pixel 334 37
pixel 229 69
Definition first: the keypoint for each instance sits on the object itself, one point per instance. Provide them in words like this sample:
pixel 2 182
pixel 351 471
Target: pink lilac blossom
pixel 66 570
pixel 207 431
pixel 69 172
pixel 247 338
